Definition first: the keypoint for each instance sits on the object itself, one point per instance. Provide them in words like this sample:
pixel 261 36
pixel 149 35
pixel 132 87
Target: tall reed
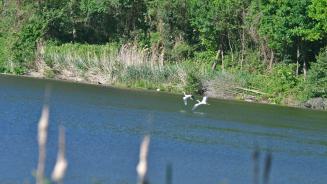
pixel 267 168
pixel 142 166
pixel 61 164
pixel 42 139
pixel 42 136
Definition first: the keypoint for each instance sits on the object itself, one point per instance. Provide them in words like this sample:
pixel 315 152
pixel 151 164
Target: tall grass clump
pixel 82 62
pixel 97 63
pixel 126 65
pixel 223 85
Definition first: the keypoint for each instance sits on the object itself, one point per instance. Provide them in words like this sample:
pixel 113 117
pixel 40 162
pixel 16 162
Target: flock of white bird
pixel 190 96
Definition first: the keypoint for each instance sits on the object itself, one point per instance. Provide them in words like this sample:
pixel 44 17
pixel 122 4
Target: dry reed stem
pixel 255 157
pixel 42 139
pixel 169 174
pixel 61 164
pixel 142 165
pixel 223 86
pixel 267 168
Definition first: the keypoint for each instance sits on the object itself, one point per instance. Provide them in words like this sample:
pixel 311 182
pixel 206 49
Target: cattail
pixel 42 139
pixel 61 164
pixel 169 174
pixel 142 165
pixel 255 158
pixel 267 168
pixel 43 125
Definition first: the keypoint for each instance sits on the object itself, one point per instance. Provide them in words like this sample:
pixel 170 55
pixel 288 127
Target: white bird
pixel 203 102
pixel 186 97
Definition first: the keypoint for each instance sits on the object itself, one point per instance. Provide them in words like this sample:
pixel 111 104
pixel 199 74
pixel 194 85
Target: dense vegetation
pixel 271 49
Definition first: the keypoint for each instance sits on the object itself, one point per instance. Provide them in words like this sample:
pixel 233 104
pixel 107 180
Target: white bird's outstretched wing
pixel 204 99
pixel 195 106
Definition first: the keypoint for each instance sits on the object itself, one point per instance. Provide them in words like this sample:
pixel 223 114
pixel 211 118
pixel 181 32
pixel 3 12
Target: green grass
pixel 131 66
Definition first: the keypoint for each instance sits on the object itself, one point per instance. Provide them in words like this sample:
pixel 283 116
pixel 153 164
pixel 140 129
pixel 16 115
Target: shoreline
pixel 37 75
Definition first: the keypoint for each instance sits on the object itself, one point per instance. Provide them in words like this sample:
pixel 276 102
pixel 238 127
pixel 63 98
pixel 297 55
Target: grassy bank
pixel 125 65
pixel 132 66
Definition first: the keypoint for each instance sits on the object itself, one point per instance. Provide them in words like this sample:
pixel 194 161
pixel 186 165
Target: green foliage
pixel 3 55
pixel 82 50
pixel 317 77
pixel 282 78
pixel 138 73
pixel 193 84
pixel 181 51
pixel 285 23
pixel 205 56
pixel 318 12
pixel 253 63
pixel 278 84
pixel 25 45
pixel 217 22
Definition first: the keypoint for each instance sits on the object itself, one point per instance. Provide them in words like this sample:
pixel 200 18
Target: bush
pixel 181 51
pixel 278 84
pixel 280 80
pixel 25 46
pixel 317 76
pixel 193 84
pixel 252 62
pixel 205 56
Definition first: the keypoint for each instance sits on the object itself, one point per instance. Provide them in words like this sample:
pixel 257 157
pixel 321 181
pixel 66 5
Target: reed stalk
pixel 42 139
pixel 267 168
pixel 61 164
pixel 255 157
pixel 142 166
pixel 169 174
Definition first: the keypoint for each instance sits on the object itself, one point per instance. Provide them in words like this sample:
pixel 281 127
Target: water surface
pixel 104 128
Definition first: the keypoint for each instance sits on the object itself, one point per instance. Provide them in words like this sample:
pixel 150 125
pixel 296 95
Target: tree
pixel 318 11
pixel 286 24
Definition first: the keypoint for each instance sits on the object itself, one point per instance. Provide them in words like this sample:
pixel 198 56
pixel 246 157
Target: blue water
pixel 104 128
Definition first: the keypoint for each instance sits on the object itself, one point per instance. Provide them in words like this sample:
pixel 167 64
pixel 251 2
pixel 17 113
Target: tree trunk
pixel 39 56
pixel 230 47
pixel 243 47
pixel 222 61
pixel 243 39
pixel 271 60
pixel 305 68
pixel 264 52
pixel 73 20
pixel 297 60
pixel 213 67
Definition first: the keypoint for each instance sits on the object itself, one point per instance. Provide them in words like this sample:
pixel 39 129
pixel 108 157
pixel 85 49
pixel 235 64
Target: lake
pixel 105 125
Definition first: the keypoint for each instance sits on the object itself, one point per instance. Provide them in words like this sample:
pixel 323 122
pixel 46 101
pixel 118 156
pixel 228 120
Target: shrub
pixel 205 56
pixel 193 84
pixel 181 51
pixel 317 76
pixel 280 80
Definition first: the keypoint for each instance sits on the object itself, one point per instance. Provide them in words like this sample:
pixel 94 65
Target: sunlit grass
pixel 127 65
